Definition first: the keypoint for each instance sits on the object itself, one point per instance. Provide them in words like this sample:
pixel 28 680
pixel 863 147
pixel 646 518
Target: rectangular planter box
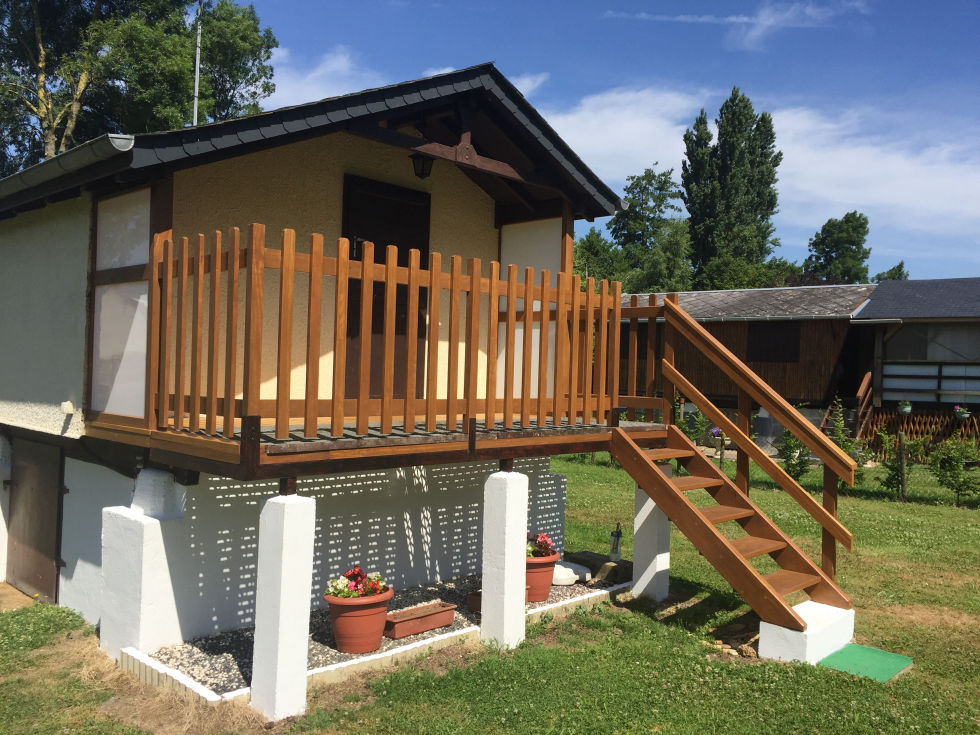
pixel 418 619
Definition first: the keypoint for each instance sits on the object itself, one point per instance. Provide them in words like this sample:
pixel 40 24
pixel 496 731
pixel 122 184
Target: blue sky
pixel 876 103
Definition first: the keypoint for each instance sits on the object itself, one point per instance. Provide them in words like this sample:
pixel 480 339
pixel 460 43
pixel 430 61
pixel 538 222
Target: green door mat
pixel 872 663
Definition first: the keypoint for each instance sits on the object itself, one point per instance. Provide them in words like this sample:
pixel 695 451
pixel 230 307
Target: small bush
pixel 695 424
pixel 947 463
pixel 795 455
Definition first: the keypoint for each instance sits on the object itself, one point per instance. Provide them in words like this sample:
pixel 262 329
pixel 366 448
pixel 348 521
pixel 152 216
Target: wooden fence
pixel 562 338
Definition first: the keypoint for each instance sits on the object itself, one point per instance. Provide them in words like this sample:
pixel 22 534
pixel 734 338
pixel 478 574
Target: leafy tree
pixel 837 252
pixel 895 273
pixel 947 461
pixel 664 268
pixel 74 69
pixel 730 194
pixel 596 257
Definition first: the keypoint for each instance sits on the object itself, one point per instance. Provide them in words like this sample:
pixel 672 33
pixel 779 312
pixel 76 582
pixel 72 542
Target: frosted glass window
pixel 119 350
pixel 123 230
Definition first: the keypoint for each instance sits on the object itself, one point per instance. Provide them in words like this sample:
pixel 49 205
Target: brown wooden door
pixel 385 215
pixel 35 499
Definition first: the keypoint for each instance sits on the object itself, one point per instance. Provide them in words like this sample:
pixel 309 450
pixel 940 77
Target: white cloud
pixel 528 83
pixel 432 71
pixel 749 31
pixel 338 71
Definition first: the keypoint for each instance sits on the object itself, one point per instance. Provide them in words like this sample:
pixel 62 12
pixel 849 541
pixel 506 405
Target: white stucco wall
pixel 43 265
pixel 414 525
pixel 536 244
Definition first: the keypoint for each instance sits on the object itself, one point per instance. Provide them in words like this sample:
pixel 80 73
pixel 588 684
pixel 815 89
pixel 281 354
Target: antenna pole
pixel 197 60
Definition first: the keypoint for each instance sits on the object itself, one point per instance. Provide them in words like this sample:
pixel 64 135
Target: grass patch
pixel 636 669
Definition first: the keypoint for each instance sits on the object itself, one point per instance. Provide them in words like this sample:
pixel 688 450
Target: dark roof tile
pixel 940 298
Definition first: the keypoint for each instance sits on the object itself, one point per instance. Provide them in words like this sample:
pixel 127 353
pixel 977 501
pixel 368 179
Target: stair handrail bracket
pixel 829 453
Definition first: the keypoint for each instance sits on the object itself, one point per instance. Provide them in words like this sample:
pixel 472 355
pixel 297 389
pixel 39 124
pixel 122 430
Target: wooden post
pixel 567 238
pixel 253 321
pixel 902 467
pixel 829 543
pixel 742 457
pixel 287 485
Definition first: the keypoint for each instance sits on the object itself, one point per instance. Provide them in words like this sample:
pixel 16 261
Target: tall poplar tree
pixel 730 193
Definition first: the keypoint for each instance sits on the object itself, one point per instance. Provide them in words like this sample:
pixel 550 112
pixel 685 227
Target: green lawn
pixel 632 669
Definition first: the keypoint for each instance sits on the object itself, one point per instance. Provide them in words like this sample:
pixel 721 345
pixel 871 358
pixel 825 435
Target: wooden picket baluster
pixel 589 351
pixel 632 345
pixel 510 351
pixel 313 320
pixel 166 301
pixel 180 352
pixel 452 378
pixel 197 324
pixel 471 360
pixel 388 374
pixel 285 362
pixel 574 394
pixel 528 346
pixel 561 349
pixel 432 335
pixel 615 317
pixel 411 341
pixel 602 348
pixel 493 318
pixel 231 330
pixel 340 338
pixel 252 377
pixel 214 306
pixel 543 330
pixel 364 329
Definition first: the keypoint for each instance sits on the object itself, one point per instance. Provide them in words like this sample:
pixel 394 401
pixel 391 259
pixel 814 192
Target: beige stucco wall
pixel 43 265
pixel 300 186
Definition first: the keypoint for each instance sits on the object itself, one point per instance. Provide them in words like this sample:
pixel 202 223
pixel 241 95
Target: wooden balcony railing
pixel 509 350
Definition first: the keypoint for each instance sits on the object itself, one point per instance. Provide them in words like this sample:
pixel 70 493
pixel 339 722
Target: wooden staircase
pixel 731 555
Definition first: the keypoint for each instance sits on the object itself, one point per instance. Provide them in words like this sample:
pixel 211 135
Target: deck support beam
pixel 282 606
pixel 505 496
pixel 651 545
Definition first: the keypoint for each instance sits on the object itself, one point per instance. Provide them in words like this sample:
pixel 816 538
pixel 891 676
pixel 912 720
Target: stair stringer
pixel 742 576
pixel 792 557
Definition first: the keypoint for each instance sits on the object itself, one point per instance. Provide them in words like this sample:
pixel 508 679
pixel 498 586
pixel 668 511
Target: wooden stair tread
pixel 750 546
pixel 694 482
pixel 784 581
pixel 658 455
pixel 720 513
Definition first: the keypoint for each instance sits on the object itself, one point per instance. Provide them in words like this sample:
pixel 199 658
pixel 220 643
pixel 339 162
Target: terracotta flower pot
pixel 540 572
pixel 359 622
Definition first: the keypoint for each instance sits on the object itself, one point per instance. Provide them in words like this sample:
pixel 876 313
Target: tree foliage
pixel 895 273
pixel 73 69
pixel 730 194
pixel 595 257
pixel 837 252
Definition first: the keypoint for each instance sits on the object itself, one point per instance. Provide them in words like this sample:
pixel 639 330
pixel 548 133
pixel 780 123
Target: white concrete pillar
pixel 504 552
pixel 283 582
pixel 651 546
pixel 828 629
pixel 139 607
pixel 6 461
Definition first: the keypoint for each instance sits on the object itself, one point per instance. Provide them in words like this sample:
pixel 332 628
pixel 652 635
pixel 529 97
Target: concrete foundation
pixel 651 546
pixel 282 606
pixel 505 497
pixel 828 629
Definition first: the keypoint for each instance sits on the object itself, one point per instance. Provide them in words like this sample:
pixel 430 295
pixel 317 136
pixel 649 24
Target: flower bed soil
pixel 223 662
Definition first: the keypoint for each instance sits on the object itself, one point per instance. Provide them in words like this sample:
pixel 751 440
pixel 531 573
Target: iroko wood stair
pixel 765 593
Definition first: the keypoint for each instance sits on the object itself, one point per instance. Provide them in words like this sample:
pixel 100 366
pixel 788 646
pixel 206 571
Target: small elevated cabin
pixel 241 357
pixel 926 351
pixel 799 340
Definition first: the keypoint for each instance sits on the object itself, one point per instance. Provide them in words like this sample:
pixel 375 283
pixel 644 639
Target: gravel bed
pixel 223 662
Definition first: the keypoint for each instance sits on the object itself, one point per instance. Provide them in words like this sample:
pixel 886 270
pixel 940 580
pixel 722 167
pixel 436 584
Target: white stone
pixel 505 497
pixel 158 495
pixel 139 606
pixel 828 629
pixel 5 462
pixel 564 575
pixel 651 546
pixel 282 606
pixel 583 572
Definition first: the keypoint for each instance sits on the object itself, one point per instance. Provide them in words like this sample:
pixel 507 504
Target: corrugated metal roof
pixel 762 304
pixel 940 298
pixel 218 139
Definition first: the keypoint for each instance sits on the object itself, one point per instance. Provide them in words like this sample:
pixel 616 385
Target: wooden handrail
pixel 777 473
pixel 763 394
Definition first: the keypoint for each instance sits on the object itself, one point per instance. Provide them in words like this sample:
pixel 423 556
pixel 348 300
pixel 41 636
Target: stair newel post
pixel 828 561
pixel 650 384
pixel 742 457
pixel 670 392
